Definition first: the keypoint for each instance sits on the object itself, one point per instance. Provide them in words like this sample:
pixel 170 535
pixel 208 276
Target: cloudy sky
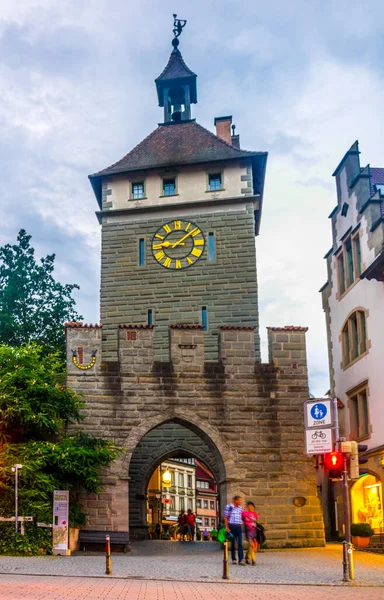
pixel 302 79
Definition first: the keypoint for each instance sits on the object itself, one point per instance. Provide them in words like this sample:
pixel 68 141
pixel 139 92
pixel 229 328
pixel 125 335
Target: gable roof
pixel 176 144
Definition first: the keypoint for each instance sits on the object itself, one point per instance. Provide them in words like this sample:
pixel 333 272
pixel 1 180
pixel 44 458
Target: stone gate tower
pixel 175 366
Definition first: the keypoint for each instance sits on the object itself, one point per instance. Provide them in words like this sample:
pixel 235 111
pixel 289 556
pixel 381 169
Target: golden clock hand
pixel 183 238
pixel 167 244
pixel 163 245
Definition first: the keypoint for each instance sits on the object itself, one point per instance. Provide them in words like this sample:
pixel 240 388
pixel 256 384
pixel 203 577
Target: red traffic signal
pixel 334 462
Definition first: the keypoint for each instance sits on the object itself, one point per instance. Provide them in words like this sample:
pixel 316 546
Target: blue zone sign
pixel 319 412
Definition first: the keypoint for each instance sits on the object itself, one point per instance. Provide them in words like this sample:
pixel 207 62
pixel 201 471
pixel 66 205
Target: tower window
pixel 204 318
pixel 137 190
pixel 214 181
pixel 169 187
pixel 211 246
pixel 150 317
pixel 141 252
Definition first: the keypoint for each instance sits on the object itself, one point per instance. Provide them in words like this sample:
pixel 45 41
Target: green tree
pixel 33 306
pixel 36 409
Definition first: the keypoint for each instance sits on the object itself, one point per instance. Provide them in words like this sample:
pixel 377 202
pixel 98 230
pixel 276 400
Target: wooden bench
pixel 120 538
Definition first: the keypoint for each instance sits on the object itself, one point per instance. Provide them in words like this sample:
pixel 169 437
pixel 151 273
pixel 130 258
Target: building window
pixel 358 413
pixel 205 503
pixel 206 521
pixel 173 482
pixel 189 481
pixel 212 505
pixel 181 503
pixel 137 190
pixel 181 479
pixel 190 503
pixel 141 252
pixel 198 503
pixel 211 246
pixel 213 522
pixel 354 337
pixel 204 318
pixel 169 187
pixel 348 263
pixel 202 484
pixel 150 317
pixel 214 182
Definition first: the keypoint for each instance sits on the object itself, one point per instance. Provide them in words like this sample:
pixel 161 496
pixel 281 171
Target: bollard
pixel 225 560
pixel 108 560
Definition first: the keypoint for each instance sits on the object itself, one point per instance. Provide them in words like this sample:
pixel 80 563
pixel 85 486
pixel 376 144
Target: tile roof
pixel 175 144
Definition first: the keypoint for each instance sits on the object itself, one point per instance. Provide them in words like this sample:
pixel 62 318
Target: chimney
pixel 223 128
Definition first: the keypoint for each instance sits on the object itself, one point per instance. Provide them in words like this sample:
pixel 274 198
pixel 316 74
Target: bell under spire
pixel 176 85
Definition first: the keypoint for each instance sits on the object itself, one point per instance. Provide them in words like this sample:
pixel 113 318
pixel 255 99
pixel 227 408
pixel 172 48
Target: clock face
pixel 178 244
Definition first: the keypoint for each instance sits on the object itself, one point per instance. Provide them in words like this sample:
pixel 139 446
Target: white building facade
pixel 353 301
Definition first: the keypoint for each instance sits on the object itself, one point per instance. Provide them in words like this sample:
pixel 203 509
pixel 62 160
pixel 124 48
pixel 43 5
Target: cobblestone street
pixel 202 562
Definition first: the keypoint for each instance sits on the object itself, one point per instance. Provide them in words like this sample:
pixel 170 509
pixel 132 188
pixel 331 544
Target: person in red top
pixel 191 524
pixel 249 518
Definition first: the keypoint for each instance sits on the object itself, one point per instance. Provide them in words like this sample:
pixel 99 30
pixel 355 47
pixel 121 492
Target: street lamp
pixel 15 469
pixel 166 479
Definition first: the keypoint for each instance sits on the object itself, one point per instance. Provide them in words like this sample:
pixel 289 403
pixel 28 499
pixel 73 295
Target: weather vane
pixel 178 26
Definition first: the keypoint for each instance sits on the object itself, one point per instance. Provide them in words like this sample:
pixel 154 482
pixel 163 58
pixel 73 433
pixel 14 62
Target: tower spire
pixel 176 86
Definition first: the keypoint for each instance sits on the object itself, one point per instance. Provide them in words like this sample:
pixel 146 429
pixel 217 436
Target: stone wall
pixel 248 415
pixel 226 286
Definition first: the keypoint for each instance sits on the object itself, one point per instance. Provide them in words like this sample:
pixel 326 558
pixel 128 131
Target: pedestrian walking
pixel 191 524
pixel 205 535
pixel 250 517
pixel 233 524
pixel 214 534
pixel 182 523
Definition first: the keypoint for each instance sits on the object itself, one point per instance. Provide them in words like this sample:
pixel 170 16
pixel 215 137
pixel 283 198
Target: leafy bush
pixel 361 530
pixel 34 541
pixel 36 408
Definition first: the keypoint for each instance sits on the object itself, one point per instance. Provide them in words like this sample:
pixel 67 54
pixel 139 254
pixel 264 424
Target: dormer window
pixel 214 182
pixel 137 190
pixel 169 187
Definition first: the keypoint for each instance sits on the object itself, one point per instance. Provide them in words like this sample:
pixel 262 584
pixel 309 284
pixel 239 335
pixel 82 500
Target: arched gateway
pixel 173 438
pixel 176 364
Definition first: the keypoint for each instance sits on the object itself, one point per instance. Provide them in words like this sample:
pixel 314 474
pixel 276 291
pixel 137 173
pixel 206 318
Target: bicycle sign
pixel 318 413
pixel 318 441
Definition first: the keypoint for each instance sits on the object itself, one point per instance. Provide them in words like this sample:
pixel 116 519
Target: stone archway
pixel 171 438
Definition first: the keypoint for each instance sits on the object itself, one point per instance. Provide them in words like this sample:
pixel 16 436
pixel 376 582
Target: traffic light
pixel 334 462
pixel 356 460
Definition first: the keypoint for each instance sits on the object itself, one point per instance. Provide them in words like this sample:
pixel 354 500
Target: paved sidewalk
pixel 202 562
pixel 17 587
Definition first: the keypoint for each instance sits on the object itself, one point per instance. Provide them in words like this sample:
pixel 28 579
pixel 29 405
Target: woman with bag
pixel 249 518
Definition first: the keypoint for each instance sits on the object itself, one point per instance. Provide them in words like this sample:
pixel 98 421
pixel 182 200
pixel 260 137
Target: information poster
pixel 60 520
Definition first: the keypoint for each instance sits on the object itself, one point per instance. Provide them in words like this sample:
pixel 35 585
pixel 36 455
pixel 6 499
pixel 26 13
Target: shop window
pixel 354 338
pixel 348 263
pixel 206 521
pixel 367 502
pixel 213 522
pixel 359 413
